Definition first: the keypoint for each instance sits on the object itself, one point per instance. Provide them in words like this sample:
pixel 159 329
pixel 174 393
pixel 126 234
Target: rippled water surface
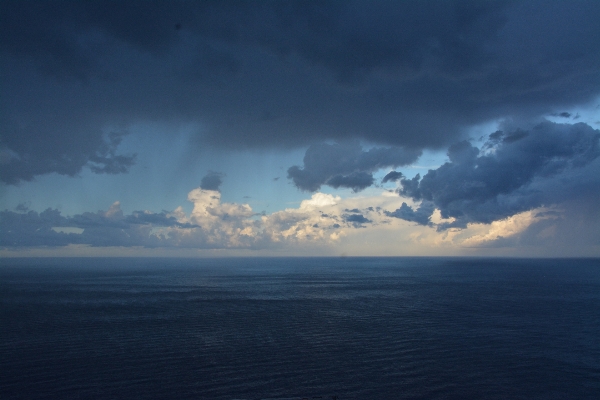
pixel 355 328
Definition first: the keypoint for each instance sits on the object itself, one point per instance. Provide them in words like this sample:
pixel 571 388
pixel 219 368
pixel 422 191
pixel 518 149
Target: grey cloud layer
pixel 514 171
pixel 211 225
pixel 279 74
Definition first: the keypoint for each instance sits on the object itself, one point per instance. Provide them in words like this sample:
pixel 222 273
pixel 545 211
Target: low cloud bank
pixel 212 224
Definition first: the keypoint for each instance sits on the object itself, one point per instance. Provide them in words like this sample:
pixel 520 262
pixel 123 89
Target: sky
pixel 300 128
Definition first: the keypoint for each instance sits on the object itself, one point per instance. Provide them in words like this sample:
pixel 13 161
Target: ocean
pixel 329 328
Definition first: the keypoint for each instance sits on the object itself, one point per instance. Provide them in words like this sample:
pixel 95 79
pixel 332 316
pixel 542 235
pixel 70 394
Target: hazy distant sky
pixel 203 128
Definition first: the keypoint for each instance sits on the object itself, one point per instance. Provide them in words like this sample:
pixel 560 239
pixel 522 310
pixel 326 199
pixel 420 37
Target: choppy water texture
pixel 355 328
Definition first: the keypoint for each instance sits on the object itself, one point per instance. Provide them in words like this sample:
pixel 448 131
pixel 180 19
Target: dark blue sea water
pixel 355 328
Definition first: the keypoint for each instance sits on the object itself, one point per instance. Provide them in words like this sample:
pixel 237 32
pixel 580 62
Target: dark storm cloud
pixel 61 148
pixel 421 216
pixel 392 176
pixel 356 220
pixel 356 181
pixel 280 73
pixel 515 172
pixel 346 165
pixel 212 181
